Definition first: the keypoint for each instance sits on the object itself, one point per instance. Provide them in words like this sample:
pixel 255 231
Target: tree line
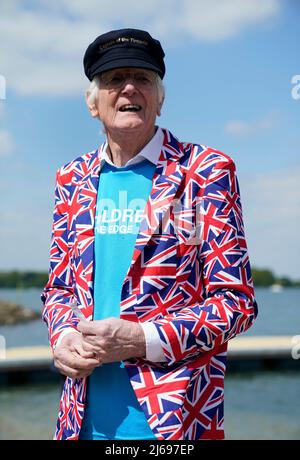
pixel 28 279
pixel 23 279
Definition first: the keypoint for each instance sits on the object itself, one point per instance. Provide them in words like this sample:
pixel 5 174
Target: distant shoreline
pixel 12 313
pixel 28 279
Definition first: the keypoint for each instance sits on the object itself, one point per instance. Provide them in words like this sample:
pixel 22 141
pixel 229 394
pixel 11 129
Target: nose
pixel 129 86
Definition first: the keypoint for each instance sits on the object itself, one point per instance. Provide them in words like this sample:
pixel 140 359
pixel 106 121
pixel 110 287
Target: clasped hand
pixel 113 339
pixel 99 342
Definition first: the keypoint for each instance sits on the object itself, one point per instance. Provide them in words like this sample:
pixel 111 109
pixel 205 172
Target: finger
pixel 84 353
pixel 72 364
pixel 90 340
pixel 88 348
pixel 93 351
pixel 87 363
pixel 85 343
pixel 73 373
pixel 86 327
pixel 75 361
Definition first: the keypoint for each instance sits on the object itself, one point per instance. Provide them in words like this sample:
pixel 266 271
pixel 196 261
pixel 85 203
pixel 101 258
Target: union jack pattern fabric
pixel 190 275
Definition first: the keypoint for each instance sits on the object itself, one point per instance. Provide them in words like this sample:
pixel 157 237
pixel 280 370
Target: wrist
pixel 139 341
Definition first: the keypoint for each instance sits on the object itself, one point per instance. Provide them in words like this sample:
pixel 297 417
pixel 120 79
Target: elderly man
pixel 149 272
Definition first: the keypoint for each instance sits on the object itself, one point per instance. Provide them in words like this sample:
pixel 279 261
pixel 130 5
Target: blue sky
pixel 228 85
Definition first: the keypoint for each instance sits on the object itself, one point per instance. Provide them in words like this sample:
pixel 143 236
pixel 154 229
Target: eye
pixel 143 79
pixel 116 79
pixel 113 79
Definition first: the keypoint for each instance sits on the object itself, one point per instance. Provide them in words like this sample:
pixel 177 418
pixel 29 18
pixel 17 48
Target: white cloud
pixel 238 128
pixel 44 43
pixel 245 128
pixel 271 205
pixel 7 144
pixel 218 19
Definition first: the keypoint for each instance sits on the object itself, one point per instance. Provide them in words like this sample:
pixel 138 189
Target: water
pixel 26 334
pixel 29 411
pixel 257 406
pixel 264 405
pixel 279 314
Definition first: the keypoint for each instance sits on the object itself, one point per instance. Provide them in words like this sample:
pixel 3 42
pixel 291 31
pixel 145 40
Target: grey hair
pixel 92 90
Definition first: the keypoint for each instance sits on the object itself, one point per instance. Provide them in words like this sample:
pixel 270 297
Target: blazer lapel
pixel 85 220
pixel 166 181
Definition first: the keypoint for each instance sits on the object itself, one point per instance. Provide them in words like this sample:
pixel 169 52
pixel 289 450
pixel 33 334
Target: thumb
pixel 86 327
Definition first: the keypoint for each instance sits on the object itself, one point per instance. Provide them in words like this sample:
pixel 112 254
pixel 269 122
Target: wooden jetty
pixel 244 353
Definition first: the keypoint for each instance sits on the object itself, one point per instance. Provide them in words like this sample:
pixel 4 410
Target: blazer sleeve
pixel 229 306
pixel 58 292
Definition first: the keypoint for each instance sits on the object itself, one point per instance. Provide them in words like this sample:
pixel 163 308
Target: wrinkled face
pixel 127 100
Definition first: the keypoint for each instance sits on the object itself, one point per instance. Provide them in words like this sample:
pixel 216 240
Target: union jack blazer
pixel 190 275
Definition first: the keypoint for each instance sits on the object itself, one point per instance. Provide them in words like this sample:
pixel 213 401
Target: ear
pixel 92 107
pixel 159 107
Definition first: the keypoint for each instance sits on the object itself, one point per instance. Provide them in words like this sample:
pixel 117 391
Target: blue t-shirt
pixel 112 410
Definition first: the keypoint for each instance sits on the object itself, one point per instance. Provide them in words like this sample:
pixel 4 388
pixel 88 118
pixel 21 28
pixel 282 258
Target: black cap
pixel 124 48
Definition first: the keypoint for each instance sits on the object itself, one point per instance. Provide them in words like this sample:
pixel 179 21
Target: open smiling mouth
pixel 130 108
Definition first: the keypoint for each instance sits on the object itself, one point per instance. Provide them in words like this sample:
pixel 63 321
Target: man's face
pixel 128 100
